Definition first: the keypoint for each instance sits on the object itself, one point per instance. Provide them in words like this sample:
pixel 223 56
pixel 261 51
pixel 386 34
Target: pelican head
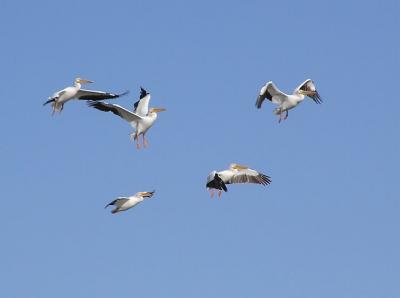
pixel 145 194
pixel 235 166
pixel 82 81
pixel 157 110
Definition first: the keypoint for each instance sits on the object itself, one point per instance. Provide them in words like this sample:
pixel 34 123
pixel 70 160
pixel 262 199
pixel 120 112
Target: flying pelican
pixel 285 101
pixel 141 119
pixel 235 174
pixel 125 203
pixel 61 97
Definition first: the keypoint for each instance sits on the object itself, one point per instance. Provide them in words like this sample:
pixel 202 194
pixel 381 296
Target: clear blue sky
pixel 328 225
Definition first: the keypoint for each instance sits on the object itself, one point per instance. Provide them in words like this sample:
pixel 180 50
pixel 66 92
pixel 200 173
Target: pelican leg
pixel 280 117
pixel 137 140
pixel 219 194
pixel 145 143
pixel 287 115
pixel 212 193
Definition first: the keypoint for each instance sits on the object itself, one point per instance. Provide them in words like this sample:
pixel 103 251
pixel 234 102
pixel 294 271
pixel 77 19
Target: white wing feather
pixel 142 108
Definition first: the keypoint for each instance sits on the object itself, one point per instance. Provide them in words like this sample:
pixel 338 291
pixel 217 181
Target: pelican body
pixel 235 174
pixel 125 203
pixel 61 97
pixel 287 102
pixel 141 119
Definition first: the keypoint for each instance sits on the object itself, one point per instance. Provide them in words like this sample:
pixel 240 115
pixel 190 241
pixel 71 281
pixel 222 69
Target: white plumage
pixel 75 92
pixel 235 174
pixel 284 101
pixel 141 119
pixel 125 203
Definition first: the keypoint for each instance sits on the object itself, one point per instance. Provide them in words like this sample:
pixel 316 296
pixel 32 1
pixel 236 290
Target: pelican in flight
pixel 285 101
pixel 235 174
pixel 61 97
pixel 125 203
pixel 141 119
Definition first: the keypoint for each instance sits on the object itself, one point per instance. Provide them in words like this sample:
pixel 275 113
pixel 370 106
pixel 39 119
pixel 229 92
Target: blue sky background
pixel 328 225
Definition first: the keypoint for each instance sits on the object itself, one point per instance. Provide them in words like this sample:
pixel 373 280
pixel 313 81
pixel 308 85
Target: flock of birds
pixel 142 118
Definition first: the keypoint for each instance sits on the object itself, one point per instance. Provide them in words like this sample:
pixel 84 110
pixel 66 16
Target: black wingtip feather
pixel 259 102
pixel 264 179
pixel 135 105
pixel 109 204
pixel 49 101
pixel 123 93
pixel 93 104
pixel 143 92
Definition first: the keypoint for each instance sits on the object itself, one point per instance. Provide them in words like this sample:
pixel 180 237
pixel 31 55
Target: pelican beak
pixel 146 194
pixel 158 110
pixel 83 81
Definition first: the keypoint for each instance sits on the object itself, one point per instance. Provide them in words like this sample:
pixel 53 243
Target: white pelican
pixel 61 97
pixel 141 120
pixel 235 174
pixel 125 203
pixel 285 101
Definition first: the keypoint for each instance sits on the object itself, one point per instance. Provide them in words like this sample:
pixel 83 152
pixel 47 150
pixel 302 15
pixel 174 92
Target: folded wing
pixel 118 202
pixel 215 182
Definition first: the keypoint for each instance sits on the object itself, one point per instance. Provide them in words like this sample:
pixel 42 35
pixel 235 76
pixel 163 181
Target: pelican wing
pixel 141 107
pixel 308 85
pixel 84 94
pixel 210 176
pixel 272 93
pixel 54 97
pixel 214 181
pixel 116 109
pixel 118 202
pixel 249 176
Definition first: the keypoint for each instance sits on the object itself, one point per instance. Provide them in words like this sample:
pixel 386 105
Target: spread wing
pixel 272 93
pixel 308 85
pixel 250 176
pixel 118 202
pixel 141 107
pixel 116 109
pixel 84 94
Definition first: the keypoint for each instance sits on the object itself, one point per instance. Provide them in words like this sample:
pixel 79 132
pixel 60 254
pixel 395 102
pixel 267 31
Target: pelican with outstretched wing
pixel 125 203
pixel 284 101
pixel 141 119
pixel 75 92
pixel 235 174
